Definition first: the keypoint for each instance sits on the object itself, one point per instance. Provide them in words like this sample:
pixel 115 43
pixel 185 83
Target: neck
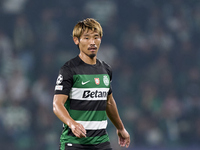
pixel 87 59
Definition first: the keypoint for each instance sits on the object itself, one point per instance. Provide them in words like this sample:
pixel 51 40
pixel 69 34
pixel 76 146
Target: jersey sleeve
pixel 109 71
pixel 110 90
pixel 64 81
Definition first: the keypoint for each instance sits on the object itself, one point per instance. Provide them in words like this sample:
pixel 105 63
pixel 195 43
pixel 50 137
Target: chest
pixel 91 81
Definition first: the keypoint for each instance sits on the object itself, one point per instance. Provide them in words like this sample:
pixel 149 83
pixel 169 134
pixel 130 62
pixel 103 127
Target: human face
pixel 88 43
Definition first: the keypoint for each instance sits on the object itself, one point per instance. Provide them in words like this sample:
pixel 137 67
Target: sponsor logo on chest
pixel 94 94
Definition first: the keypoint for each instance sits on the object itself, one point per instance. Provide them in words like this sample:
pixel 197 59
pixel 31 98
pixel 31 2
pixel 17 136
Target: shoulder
pixel 72 62
pixel 69 65
pixel 106 66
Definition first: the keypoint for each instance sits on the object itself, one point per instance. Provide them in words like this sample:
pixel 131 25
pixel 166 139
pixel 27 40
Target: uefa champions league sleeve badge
pixel 59 79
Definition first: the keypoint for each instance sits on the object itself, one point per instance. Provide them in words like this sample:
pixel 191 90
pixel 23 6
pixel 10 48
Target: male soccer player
pixel 83 95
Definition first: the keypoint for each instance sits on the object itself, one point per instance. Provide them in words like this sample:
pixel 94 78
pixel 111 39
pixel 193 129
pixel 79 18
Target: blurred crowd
pixel 153 47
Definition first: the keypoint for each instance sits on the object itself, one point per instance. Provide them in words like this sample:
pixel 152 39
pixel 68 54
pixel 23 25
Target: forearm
pixel 112 113
pixel 61 112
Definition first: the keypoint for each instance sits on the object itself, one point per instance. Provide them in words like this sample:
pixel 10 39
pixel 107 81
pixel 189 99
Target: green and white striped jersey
pixel 87 87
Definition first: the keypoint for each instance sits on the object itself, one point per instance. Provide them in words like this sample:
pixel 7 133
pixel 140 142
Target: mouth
pixel 92 48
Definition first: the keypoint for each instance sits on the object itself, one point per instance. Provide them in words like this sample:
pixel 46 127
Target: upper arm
pixel 62 89
pixel 59 99
pixel 110 99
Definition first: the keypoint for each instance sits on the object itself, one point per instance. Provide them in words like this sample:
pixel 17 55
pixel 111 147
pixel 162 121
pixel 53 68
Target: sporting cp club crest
pixel 106 80
pixel 97 81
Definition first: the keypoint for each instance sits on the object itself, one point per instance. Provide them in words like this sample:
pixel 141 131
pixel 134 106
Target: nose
pixel 92 41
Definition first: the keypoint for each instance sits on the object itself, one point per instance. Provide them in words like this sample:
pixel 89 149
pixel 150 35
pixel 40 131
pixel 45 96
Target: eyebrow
pixel 92 35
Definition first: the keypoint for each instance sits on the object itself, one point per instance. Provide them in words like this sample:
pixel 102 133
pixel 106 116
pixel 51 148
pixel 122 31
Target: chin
pixel 92 55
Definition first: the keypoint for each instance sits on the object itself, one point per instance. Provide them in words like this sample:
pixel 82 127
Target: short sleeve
pixel 110 90
pixel 64 81
pixel 109 71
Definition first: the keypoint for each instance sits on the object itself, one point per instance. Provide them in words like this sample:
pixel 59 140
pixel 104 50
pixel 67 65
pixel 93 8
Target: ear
pixel 76 40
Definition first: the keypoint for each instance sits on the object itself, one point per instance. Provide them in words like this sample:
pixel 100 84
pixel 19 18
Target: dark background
pixel 153 47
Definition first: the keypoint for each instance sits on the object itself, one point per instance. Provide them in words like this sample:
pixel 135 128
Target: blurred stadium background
pixel 153 47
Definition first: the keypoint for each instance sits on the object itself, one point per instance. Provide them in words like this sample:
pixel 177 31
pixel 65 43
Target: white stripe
pixel 94 93
pixel 94 125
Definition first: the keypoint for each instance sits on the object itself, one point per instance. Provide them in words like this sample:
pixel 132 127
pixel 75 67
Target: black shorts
pixel 102 146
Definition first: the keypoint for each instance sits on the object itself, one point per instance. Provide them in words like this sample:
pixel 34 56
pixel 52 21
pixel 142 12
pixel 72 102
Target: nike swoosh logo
pixel 83 83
